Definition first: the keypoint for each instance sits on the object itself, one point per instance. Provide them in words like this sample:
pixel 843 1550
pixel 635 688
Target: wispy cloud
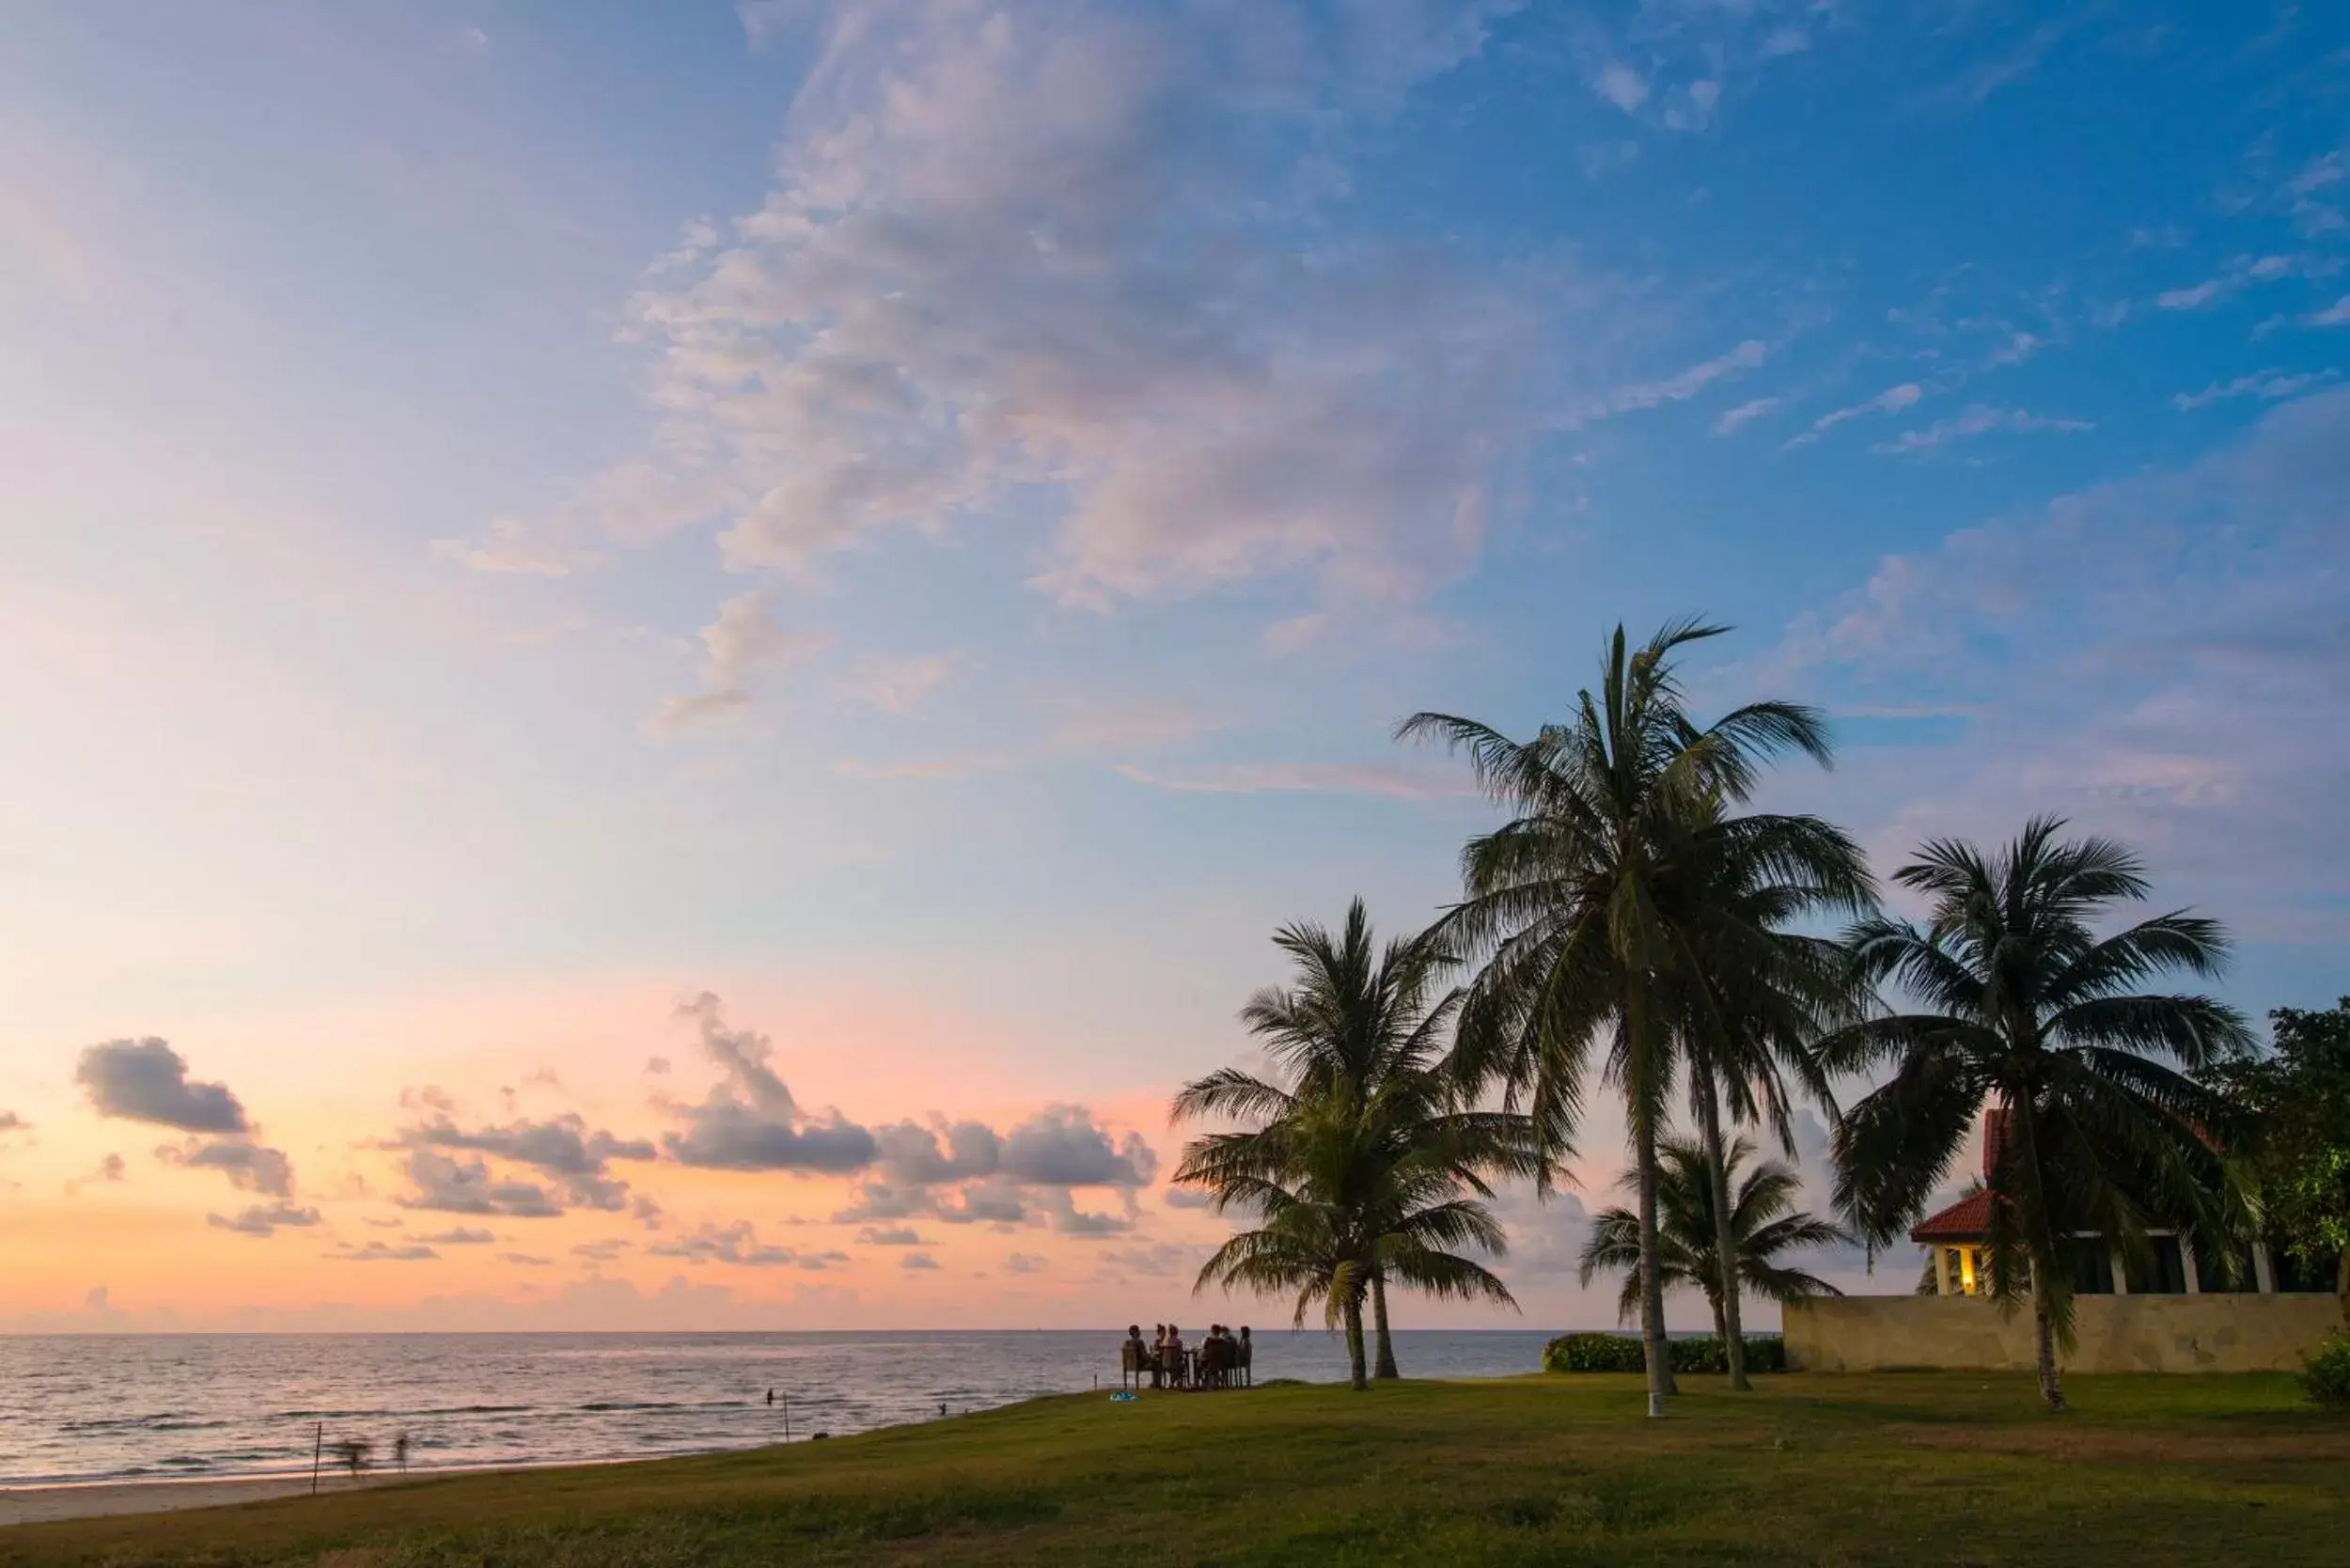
pixel 2268 384
pixel 1743 414
pixel 2003 69
pixel 1054 250
pixel 744 639
pixel 1978 419
pixel 1891 401
pixel 1687 384
pixel 1248 779
pixel 2240 275
pixel 2336 314
pixel 901 684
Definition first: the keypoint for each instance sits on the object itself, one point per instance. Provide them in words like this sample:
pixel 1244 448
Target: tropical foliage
pixel 1633 928
pixel 2023 1007
pixel 1625 919
pixel 1618 1353
pixel 1361 1162
pixel 2296 1109
pixel 1765 1225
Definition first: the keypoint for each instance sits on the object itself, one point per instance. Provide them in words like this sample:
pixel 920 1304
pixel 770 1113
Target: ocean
pixel 151 1407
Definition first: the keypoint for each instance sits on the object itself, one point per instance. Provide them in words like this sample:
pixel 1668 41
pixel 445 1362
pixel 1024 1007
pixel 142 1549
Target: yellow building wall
pixel 2219 1333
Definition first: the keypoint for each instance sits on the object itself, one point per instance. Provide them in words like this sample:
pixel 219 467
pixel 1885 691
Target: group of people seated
pixel 1165 1360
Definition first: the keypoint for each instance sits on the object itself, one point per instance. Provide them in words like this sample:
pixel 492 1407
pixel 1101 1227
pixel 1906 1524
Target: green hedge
pixel 1621 1353
pixel 2325 1376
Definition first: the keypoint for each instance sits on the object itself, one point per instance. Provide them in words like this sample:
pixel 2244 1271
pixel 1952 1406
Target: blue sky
pixel 920 518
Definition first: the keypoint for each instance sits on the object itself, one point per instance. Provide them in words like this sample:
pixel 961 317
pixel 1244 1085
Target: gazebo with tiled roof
pixel 1956 1235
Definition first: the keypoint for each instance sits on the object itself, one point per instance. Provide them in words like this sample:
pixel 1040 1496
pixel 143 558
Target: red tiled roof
pixel 1969 1219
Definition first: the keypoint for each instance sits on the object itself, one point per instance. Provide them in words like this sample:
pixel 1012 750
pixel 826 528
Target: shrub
pixel 1621 1353
pixel 1592 1352
pixel 2325 1375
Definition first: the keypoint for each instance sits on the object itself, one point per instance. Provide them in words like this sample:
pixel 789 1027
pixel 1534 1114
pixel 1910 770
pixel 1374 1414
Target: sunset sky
pixel 665 665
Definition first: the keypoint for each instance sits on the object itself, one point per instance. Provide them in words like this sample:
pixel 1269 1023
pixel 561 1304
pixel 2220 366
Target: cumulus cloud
pixel 890 1236
pixel 1620 84
pixel 248 1165
pixel 1067 251
pixel 379 1252
pixel 461 1236
pixel 738 1244
pixel 562 1148
pixel 917 1261
pixel 145 1080
pixel 605 1252
pixel 11 1123
pixel 749 1121
pixel 1062 1146
pixel 448 1185
pixel 1025 1263
pixel 2336 314
pixel 1011 1178
pixel 264 1219
pixel 526 1259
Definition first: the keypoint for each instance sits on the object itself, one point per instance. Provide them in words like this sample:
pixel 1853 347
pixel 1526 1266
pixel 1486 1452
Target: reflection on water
pixel 91 1408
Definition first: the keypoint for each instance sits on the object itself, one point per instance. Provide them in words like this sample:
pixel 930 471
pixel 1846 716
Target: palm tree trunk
pixel 1656 1353
pixel 1724 1244
pixel 2044 1335
pixel 1355 1341
pixel 1386 1367
pixel 2045 1259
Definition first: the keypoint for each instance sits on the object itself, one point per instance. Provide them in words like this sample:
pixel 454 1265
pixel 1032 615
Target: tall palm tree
pixel 1596 910
pixel 1762 1221
pixel 2028 1010
pixel 1770 992
pixel 1363 1165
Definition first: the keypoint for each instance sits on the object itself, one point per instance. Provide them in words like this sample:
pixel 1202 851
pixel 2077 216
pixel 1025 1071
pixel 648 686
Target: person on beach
pixel 1133 1355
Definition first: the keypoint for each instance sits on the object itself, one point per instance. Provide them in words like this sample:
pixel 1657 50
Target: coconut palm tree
pixel 1763 1224
pixel 1363 1164
pixel 1595 911
pixel 2025 1009
pixel 1769 993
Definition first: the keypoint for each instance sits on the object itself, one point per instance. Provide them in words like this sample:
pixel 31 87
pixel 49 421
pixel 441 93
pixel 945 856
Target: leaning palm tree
pixel 2027 1010
pixel 1595 910
pixel 1762 1221
pixel 1364 1165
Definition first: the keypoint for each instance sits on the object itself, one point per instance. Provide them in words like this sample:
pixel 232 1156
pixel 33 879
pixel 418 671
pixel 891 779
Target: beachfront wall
pixel 2217 1333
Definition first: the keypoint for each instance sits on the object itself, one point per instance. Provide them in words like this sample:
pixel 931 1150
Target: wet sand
pixel 28 1505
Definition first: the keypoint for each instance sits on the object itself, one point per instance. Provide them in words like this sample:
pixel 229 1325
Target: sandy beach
pixel 28 1505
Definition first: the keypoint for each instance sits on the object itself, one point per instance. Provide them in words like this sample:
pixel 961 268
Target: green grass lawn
pixel 1919 1468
